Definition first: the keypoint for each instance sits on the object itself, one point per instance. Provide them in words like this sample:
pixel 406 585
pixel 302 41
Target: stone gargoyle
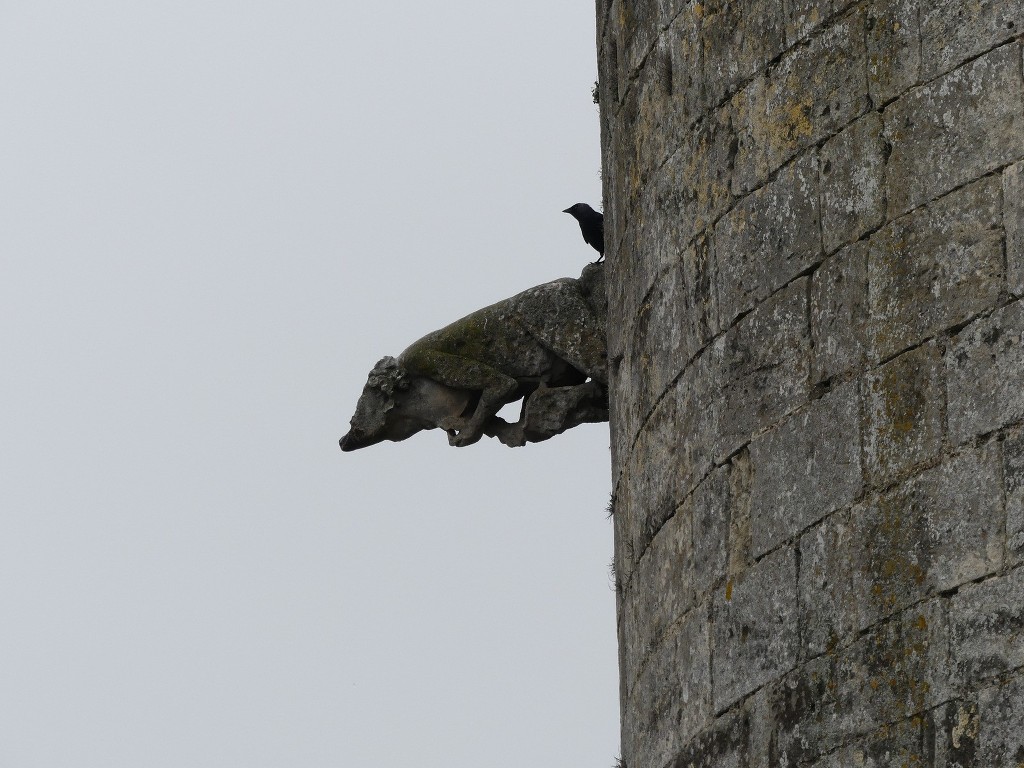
pixel 545 346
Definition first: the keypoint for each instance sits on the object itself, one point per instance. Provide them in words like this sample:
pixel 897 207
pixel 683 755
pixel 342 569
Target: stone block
pixel 904 400
pixel 659 591
pixel 855 694
pixel 901 744
pixel 1001 726
pixel 808 713
pixel 816 90
pixel 683 560
pixel 770 237
pixel 662 116
pixel 805 468
pixel 671 703
pixel 629 401
pixel 955 129
pixel 1013 223
pixel 761 368
pixel 935 268
pixel 985 371
pixel 956 734
pixel 755 628
pixel 787 713
pixel 894 49
pixel 678 317
pixel 738 43
pixel 659 335
pixel 622 426
pixel 987 628
pixel 725 744
pixel 930 534
pixel 698 411
pixel 741 480
pixel 652 481
pixel 953 32
pixel 839 293
pixel 829 605
pixel 712 507
pixel 804 17
pixel 636 25
pixel 649 245
pixel 1013 477
pixel 692 188
pixel 900 667
pixel 853 182
pixel 688 90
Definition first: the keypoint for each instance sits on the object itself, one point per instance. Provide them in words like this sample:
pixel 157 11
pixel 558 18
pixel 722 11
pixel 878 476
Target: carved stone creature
pixel 545 345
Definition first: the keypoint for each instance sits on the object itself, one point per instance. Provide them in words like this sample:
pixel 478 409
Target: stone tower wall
pixel 815 232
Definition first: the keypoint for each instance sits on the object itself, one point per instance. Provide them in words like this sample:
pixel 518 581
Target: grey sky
pixel 216 217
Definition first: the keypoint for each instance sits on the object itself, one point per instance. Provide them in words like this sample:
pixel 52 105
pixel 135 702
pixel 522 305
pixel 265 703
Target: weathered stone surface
pixel 1001 715
pixel 682 562
pixel 738 44
pixel 904 413
pixel 635 25
pixel 699 407
pixel 762 366
pixel 692 189
pixel 877 580
pixel 985 367
pixel 903 744
pixel 956 734
pixel 741 480
pixel 755 628
pixel 805 468
pixel 673 695
pixel 726 744
pixel 899 668
pixel 829 605
pixel 659 590
pixel 894 48
pixel 955 129
pixel 804 17
pixel 930 534
pixel 884 678
pixel 1013 222
pixel 713 506
pixel 816 90
pixel 935 268
pixel 987 628
pixel 769 238
pixel 672 564
pixel 839 294
pixel 661 114
pixel 620 417
pixel 652 485
pixel 852 182
pixel 679 317
pixel 951 33
pixel 631 276
pixel 1013 476
pixel 689 88
pixel 661 338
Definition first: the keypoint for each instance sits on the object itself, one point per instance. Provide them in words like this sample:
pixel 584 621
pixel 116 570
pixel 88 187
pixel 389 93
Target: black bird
pixel 591 225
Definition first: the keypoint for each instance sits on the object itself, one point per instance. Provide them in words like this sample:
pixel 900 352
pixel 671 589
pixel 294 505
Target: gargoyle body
pixel 545 346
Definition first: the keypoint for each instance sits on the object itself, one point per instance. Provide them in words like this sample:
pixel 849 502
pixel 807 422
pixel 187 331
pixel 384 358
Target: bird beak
pixel 567 210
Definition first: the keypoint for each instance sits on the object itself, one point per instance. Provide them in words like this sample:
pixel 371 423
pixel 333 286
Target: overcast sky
pixel 216 217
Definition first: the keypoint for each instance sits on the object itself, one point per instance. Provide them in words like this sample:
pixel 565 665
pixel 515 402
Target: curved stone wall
pixel 815 232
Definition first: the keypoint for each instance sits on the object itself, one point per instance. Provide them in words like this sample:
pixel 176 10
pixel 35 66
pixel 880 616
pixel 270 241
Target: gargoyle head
pixel 396 405
pixel 370 423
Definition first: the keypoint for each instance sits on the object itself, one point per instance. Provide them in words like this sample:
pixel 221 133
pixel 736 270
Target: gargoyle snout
pixel 349 442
